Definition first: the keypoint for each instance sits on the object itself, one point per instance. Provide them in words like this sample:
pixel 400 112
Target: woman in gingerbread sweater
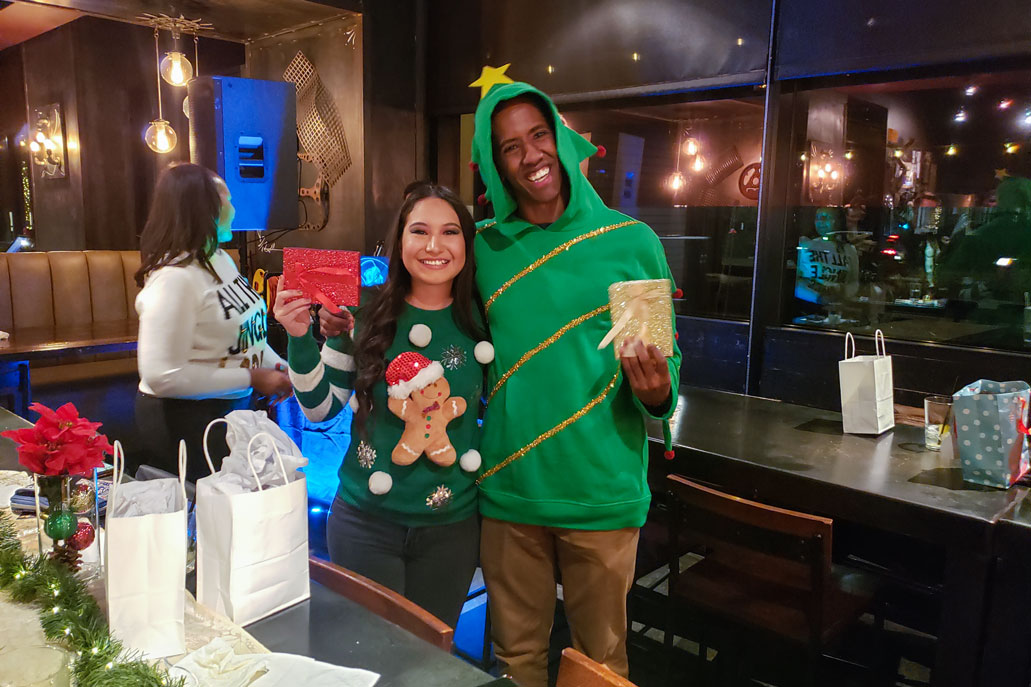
pixel 405 514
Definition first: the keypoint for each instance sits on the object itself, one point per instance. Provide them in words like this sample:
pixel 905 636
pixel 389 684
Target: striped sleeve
pixel 322 382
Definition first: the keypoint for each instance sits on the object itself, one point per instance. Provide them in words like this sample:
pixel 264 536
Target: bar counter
pixel 798 457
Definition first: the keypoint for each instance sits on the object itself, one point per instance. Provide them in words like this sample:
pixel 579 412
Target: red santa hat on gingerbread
pixel 411 372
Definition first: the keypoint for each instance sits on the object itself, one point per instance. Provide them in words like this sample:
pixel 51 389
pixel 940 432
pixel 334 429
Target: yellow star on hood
pixel 1001 174
pixel 490 77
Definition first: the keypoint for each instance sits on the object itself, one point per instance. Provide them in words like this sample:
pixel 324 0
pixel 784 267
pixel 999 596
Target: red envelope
pixel 330 277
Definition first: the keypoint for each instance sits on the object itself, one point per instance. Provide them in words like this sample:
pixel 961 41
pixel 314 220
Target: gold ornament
pixel 440 497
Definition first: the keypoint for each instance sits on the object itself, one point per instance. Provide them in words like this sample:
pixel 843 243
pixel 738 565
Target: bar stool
pixel 766 579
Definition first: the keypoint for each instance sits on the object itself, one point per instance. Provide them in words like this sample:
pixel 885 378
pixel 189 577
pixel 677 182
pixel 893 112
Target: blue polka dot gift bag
pixel 989 431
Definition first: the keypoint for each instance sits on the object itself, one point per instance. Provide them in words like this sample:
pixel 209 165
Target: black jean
pixel 162 422
pixel 432 566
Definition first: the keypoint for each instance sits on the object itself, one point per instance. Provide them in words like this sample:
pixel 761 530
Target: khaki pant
pixel 596 568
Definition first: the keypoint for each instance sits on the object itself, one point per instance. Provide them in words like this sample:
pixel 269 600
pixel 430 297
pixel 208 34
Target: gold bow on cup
pixel 642 309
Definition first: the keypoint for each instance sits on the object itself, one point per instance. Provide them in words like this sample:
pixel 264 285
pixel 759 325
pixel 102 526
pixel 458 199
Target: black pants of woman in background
pixel 163 422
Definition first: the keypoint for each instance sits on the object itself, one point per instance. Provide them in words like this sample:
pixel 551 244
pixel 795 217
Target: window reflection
pixel 910 209
pixel 690 170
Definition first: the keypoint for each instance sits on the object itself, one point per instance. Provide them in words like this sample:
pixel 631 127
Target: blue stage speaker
pixel 246 131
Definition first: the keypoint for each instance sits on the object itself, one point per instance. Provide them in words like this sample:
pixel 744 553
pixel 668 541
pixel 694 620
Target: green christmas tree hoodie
pixel 564 442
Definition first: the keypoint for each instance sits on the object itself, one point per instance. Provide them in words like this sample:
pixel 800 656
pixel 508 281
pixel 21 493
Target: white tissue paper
pixel 217 665
pixel 236 477
pixel 150 497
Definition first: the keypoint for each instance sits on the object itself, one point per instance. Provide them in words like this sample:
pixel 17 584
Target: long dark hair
pixel 378 324
pixel 183 219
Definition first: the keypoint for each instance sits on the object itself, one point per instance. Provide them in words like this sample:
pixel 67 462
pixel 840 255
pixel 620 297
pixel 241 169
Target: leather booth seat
pixel 71 288
pixel 67 288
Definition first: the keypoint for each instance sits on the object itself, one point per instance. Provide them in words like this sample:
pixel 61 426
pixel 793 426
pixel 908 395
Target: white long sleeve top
pixel 198 337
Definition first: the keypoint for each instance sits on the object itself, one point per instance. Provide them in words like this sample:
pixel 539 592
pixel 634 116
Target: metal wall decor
pixel 46 142
pixel 320 131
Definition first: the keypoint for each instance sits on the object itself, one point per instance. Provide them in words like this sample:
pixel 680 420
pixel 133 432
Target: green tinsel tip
pixel 69 615
pixel 8 534
pixel 134 673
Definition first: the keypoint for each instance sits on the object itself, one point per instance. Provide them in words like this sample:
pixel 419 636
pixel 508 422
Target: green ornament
pixel 61 524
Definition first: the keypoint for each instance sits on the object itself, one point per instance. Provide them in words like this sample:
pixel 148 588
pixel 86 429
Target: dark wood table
pixel 35 343
pixel 331 628
pixel 798 457
pixel 42 342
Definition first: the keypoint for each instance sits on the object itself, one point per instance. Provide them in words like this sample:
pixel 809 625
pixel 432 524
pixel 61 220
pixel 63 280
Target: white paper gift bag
pixel 145 560
pixel 867 391
pixel 252 546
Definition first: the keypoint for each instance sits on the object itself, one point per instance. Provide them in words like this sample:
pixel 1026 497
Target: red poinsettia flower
pixel 60 443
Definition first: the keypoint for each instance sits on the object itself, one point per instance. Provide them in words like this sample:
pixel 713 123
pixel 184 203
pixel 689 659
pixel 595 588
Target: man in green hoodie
pixel 564 478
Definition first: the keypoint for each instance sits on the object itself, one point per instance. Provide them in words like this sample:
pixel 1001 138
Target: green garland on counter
pixel 71 617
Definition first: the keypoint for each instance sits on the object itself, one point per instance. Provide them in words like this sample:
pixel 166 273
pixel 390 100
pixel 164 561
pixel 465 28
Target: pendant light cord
pixel 157 70
pixel 196 56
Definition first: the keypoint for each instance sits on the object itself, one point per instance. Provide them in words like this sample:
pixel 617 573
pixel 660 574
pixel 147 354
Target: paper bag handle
pixel 204 441
pixel 118 463
pixel 275 450
pixel 182 471
pixel 880 347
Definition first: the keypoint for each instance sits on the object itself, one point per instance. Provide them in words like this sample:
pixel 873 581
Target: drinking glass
pixel 936 421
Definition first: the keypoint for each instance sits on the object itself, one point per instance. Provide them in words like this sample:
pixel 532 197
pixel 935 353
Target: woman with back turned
pixel 202 349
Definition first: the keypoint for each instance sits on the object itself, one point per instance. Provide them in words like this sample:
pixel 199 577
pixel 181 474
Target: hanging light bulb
pixel 34 146
pixel 691 146
pixel 676 181
pixel 971 90
pixel 699 164
pixel 951 151
pixel 176 69
pixel 849 155
pixel 1005 104
pixel 196 61
pixel 160 137
pixel 960 116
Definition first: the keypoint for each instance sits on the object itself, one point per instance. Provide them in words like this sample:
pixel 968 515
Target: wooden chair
pixel 766 571
pixel 382 601
pixel 576 670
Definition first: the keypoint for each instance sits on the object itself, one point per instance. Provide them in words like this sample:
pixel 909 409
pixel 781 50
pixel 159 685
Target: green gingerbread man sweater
pixel 564 443
pixel 422 493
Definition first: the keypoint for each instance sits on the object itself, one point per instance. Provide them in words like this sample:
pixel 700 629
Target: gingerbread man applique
pixel 421 397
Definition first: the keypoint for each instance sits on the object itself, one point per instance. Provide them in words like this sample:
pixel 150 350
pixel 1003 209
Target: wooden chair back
pixel 382 601
pixel 785 547
pixel 576 670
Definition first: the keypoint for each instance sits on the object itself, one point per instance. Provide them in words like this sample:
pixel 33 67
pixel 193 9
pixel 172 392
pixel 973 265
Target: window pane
pixel 690 170
pixel 910 209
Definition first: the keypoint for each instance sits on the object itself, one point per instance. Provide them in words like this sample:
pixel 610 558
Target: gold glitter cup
pixel 642 309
